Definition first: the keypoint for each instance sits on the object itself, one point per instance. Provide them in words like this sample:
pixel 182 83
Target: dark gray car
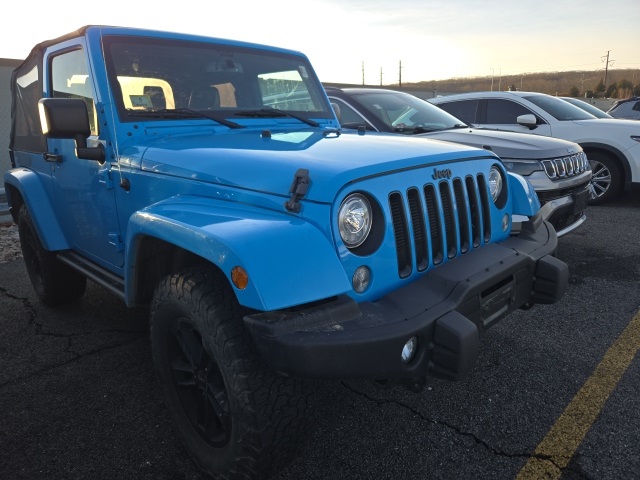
pixel 558 169
pixel 627 108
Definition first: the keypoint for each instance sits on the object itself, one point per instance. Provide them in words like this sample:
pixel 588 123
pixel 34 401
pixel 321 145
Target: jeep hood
pixel 267 163
pixel 508 145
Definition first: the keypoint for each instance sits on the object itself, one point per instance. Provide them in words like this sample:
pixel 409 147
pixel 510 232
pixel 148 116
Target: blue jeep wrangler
pixel 210 180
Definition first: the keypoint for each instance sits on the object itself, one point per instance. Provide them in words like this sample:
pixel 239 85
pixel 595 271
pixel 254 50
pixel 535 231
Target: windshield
pixel 587 107
pixel 407 113
pixel 558 108
pixel 150 75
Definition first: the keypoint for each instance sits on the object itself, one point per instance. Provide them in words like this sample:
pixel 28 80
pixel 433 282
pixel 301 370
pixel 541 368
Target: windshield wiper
pixel 272 112
pixel 458 126
pixel 182 113
pixel 416 129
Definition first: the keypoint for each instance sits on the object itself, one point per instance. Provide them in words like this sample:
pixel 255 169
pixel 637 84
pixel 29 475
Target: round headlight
pixel 495 182
pixel 354 220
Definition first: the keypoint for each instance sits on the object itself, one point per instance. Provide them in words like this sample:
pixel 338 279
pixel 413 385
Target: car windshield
pixel 406 113
pixel 587 107
pixel 558 108
pixel 225 81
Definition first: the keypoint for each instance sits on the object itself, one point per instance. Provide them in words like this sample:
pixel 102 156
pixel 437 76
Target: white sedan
pixel 612 145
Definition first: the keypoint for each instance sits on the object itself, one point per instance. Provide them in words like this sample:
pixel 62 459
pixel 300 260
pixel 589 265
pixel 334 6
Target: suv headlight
pixel 495 183
pixel 522 167
pixel 354 220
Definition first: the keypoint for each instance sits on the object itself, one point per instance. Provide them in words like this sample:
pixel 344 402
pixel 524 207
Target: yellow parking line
pixel 557 448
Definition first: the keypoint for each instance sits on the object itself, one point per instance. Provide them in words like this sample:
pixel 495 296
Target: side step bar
pixel 94 272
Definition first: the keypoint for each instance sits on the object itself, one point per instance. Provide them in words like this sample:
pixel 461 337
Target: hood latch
pixel 298 189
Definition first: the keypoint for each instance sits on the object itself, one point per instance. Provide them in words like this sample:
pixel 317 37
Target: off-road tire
pixel 607 178
pixel 206 362
pixel 53 281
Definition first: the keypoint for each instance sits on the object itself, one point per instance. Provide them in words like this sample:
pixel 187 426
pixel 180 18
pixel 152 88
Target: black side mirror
pixel 69 118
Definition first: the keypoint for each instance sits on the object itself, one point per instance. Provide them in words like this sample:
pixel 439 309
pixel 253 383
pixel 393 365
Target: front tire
pixel 607 177
pixel 53 281
pixel 236 418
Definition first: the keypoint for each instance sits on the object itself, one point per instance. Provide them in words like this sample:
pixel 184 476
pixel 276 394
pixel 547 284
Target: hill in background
pixel 621 83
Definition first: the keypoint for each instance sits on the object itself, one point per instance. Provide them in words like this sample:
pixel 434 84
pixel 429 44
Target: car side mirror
pixel 529 120
pixel 69 118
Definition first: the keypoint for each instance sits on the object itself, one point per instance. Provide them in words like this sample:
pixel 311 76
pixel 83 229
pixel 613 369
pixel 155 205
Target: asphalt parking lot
pixel 555 393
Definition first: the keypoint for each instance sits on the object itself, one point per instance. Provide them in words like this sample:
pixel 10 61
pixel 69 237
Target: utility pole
pixel 400 74
pixel 380 76
pixel 606 68
pixel 363 73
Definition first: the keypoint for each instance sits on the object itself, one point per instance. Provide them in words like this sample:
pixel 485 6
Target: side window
pixel 286 90
pixel 626 109
pixel 464 110
pixel 70 79
pixel 347 114
pixel 505 111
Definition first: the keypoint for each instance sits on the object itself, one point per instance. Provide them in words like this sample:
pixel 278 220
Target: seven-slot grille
pixel 566 166
pixel 439 221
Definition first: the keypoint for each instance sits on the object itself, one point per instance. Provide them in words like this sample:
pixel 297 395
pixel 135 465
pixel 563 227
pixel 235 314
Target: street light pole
pixel 492 79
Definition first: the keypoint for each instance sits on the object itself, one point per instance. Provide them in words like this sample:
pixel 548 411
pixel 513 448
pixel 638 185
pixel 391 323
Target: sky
pixel 378 42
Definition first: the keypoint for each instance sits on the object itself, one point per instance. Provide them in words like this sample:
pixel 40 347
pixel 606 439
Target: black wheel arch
pixel 14 199
pixel 155 259
pixel 613 152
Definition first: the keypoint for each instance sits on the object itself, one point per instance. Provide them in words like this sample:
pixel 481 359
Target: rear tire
pixel 53 281
pixel 607 178
pixel 236 418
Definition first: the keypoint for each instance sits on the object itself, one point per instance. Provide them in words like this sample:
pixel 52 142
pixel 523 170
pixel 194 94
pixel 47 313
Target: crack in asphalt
pixel 27 305
pixel 548 458
pixel 419 414
pixel 39 330
pixel 75 358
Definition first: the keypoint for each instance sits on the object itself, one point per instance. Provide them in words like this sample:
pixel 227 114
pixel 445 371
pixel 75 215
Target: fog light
pixel 409 350
pixel 361 279
pixel 505 222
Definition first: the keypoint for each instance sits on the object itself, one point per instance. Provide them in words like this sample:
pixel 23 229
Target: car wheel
pixel 607 177
pixel 53 281
pixel 236 418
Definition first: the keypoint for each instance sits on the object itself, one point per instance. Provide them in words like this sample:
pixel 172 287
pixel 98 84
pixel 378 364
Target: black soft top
pixel 26 90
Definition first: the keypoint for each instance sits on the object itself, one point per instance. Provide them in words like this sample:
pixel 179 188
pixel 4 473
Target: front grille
pixel 439 221
pixel 564 167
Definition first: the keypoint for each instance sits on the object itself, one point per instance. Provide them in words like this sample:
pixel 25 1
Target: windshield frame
pixel 242 76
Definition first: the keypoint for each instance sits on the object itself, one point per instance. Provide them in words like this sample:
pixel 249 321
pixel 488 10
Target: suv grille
pixel 566 166
pixel 447 220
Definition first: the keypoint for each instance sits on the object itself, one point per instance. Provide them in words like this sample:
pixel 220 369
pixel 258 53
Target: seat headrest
pixel 204 97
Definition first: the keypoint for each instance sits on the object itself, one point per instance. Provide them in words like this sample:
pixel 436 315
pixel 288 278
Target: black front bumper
pixel 446 310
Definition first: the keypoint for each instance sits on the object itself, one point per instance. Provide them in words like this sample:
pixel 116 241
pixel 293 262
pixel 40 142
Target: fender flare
pixel 289 260
pixel 524 199
pixel 33 192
